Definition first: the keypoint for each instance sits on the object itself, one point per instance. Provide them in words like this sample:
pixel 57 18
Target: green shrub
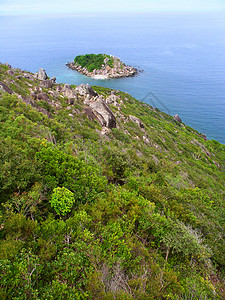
pixel 62 200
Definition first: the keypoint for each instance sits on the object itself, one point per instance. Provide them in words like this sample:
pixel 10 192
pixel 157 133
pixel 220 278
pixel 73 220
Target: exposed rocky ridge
pixel 95 106
pixel 118 70
pixel 45 95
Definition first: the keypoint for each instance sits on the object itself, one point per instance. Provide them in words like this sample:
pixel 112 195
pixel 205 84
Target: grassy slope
pixel 147 219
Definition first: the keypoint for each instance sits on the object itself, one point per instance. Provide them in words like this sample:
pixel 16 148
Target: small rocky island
pixel 101 66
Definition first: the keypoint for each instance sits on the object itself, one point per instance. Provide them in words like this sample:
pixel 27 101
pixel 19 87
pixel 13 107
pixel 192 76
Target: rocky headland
pixel 107 66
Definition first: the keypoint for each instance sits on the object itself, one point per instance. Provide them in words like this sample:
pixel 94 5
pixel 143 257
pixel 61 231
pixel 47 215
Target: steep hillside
pixel 104 197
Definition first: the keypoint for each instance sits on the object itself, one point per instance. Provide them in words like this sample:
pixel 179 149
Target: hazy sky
pixel 8 7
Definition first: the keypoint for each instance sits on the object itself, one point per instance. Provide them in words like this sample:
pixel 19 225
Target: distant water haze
pixel 182 55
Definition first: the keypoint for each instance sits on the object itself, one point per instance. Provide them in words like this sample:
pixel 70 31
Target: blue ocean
pixel 182 57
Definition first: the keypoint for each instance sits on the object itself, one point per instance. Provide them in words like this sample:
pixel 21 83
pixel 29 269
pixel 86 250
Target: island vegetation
pixel 101 66
pixel 105 197
pixel 93 61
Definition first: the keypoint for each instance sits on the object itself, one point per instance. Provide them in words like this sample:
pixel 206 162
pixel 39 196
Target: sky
pixel 29 7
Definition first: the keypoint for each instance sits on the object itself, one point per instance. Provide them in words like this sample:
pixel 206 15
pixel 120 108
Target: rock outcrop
pixel 103 113
pixel 86 89
pixel 5 88
pixel 112 99
pixel 48 84
pixel 177 118
pixel 137 121
pixel 68 91
pixel 96 106
pixel 43 97
pixel 41 75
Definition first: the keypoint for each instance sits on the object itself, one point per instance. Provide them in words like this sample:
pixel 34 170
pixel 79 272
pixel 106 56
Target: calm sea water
pixel 182 55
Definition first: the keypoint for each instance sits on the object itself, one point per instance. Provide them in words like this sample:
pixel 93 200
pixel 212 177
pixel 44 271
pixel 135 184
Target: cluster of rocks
pixel 118 70
pixel 96 107
pixel 43 77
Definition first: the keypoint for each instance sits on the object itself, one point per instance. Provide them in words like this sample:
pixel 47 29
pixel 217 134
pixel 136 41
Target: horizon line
pixel 115 12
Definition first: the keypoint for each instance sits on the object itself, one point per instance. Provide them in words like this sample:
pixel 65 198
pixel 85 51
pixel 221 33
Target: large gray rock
pixel 86 89
pixel 97 107
pixel 103 113
pixel 46 83
pixel 45 112
pixel 90 114
pixel 137 121
pixel 112 99
pixel 68 91
pixel 59 88
pixel 5 88
pixel 43 96
pixel 42 74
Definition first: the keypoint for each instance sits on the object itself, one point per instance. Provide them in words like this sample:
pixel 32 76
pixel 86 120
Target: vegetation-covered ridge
pixel 94 61
pixel 101 66
pixel 104 197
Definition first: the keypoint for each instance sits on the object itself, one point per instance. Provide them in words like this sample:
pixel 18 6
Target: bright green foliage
pixel 93 61
pixel 137 213
pixel 62 200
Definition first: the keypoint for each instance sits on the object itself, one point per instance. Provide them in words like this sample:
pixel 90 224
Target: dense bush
pixel 93 61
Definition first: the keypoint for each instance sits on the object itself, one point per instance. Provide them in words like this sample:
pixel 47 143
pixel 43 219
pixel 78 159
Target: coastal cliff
pixel 101 66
